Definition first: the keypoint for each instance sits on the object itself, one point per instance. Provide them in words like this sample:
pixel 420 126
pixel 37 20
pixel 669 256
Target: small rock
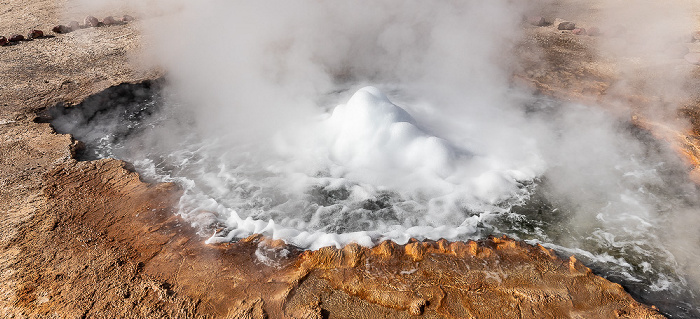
pixel 91 21
pixel 693 58
pixel 127 18
pixel 567 26
pixel 35 34
pixel 16 38
pixel 61 29
pixel 537 21
pixel 74 25
pixel 579 31
pixel 593 32
pixel 109 20
pixel 3 40
pixel 676 51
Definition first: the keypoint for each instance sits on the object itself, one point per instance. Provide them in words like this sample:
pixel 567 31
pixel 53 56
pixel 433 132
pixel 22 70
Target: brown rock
pixel 61 29
pixel 567 26
pixel 127 18
pixel 74 25
pixel 16 38
pixel 3 40
pixel 537 21
pixel 91 21
pixel 35 34
pixel 109 21
pixel 693 58
pixel 579 31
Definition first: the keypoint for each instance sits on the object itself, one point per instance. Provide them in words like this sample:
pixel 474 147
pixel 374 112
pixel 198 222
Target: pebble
pixel 593 31
pixel 693 58
pixel 16 38
pixel 537 21
pixel 91 21
pixel 61 29
pixel 74 25
pixel 109 20
pixel 127 18
pixel 567 26
pixel 35 34
pixel 579 31
pixel 677 50
pixel 3 40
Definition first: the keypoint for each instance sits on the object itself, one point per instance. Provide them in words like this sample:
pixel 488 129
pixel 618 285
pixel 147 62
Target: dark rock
pixel 127 18
pixel 61 29
pixel 579 31
pixel 693 58
pixel 567 26
pixel 593 31
pixel 16 38
pixel 74 25
pixel 3 40
pixel 35 34
pixel 91 21
pixel 537 21
pixel 109 21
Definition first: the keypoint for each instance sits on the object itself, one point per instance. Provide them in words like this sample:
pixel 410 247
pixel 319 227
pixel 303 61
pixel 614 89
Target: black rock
pixel 567 26
pixel 61 29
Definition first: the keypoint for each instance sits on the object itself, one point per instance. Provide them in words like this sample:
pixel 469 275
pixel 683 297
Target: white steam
pixel 274 133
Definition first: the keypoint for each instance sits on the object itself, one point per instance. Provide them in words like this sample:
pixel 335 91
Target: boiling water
pixel 365 170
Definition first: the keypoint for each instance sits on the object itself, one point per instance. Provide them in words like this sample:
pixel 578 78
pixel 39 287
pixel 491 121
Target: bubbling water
pixel 365 172
pixel 368 170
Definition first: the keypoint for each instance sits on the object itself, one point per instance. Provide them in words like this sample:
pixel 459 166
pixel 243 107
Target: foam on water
pixel 368 170
pixel 363 173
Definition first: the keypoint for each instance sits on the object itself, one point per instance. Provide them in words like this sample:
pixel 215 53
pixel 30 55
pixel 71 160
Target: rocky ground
pixel 91 240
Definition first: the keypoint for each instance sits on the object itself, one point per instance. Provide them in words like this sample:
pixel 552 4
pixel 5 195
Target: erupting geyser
pixel 367 170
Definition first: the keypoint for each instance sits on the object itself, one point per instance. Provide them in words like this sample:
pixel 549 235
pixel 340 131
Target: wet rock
pixel 91 21
pixel 579 31
pixel 109 21
pixel 35 34
pixel 74 25
pixel 61 29
pixel 567 26
pixel 693 58
pixel 127 18
pixel 593 31
pixel 16 38
pixel 537 21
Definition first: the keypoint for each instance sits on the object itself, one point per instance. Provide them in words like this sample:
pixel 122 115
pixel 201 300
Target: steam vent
pixel 375 159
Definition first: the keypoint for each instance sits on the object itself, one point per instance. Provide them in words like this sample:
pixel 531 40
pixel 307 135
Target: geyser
pixel 341 179
pixel 262 132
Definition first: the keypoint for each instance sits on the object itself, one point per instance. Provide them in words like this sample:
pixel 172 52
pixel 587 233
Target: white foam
pixel 362 150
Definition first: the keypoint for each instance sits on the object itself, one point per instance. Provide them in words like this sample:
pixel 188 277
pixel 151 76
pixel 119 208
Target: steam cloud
pixel 244 73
